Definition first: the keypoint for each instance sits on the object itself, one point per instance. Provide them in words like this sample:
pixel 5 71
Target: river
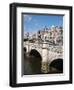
pixel 32 65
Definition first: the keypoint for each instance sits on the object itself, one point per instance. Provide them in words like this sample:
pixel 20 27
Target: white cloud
pixel 28 17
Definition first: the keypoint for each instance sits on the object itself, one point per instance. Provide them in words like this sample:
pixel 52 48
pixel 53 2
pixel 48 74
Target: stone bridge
pixel 47 52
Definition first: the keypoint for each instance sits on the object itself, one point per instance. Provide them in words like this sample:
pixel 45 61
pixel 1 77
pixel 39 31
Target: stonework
pixel 49 43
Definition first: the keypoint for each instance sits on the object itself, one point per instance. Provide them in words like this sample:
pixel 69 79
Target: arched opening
pixel 56 66
pixel 25 49
pixel 35 53
pixel 35 61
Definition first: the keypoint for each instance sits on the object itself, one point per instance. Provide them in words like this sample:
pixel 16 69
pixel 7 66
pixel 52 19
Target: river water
pixel 32 65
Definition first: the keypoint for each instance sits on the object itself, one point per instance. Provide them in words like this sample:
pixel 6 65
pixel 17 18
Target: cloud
pixel 28 18
pixel 36 22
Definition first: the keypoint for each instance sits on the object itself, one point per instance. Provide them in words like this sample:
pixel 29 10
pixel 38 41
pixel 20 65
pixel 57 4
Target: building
pixel 52 35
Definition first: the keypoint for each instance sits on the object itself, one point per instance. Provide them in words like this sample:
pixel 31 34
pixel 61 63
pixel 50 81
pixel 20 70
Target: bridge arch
pixel 35 53
pixel 56 65
pixel 25 49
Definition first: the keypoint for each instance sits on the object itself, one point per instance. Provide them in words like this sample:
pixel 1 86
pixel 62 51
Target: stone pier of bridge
pixel 45 57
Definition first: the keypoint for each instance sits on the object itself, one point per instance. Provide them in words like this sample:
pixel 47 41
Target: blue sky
pixel 33 23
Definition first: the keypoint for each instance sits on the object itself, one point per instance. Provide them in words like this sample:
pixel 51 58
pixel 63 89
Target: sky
pixel 33 23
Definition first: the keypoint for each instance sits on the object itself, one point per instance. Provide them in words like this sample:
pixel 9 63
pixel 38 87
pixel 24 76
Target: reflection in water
pixel 32 65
